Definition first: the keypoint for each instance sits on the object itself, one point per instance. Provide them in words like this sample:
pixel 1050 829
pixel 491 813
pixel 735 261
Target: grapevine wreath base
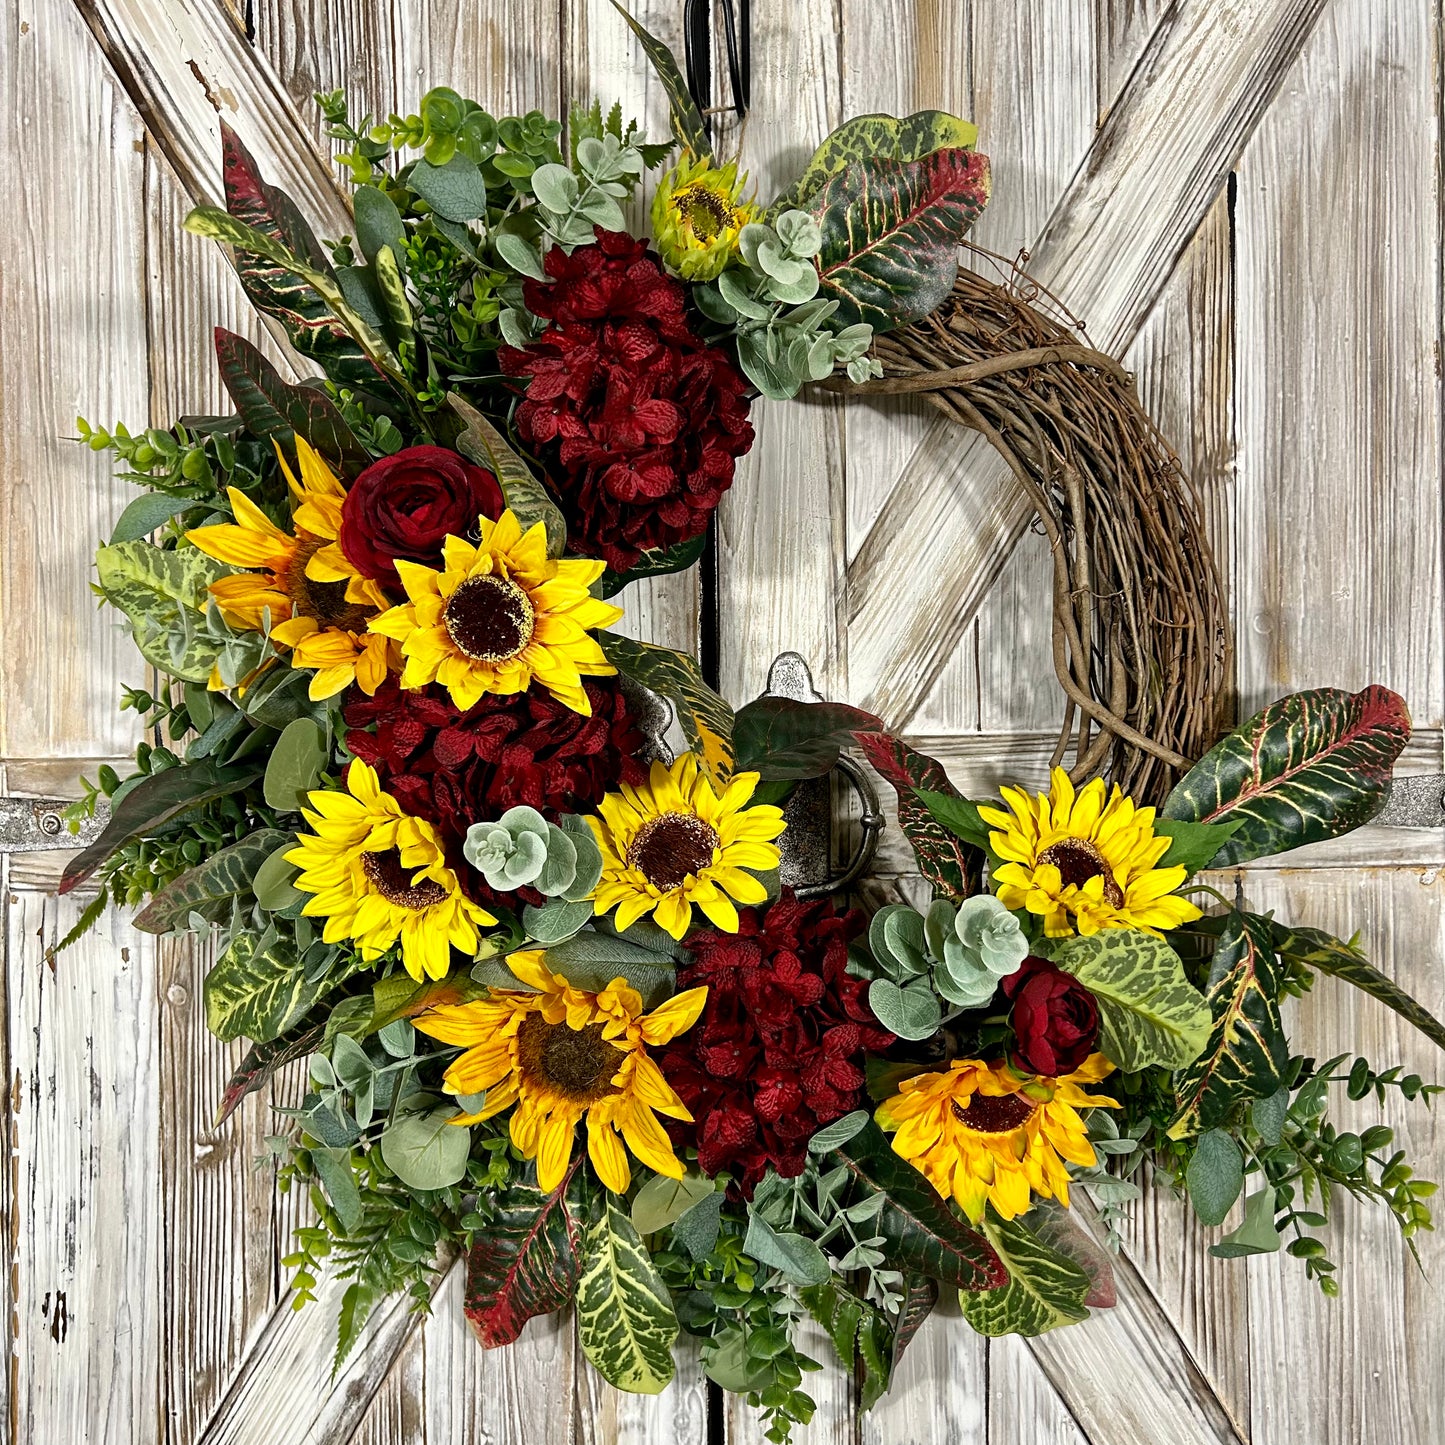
pixel 554 1010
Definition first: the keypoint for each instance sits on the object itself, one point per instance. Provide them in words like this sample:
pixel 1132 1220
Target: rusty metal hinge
pixel 36 825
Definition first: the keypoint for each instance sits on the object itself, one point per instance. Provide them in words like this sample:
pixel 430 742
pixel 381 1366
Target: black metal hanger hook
pixel 737 27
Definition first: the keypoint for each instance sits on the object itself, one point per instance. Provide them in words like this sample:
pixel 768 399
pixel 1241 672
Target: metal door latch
pixel 35 825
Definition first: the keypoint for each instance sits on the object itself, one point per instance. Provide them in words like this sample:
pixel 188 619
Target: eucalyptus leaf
pixel 145 513
pixel 424 1150
pixel 1215 1176
pixel 295 766
pixel 662 1201
pixel 455 190
pixel 793 1255
pixel 912 1013
pixel 1256 1234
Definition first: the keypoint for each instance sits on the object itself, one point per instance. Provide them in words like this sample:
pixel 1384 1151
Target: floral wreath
pixel 401 765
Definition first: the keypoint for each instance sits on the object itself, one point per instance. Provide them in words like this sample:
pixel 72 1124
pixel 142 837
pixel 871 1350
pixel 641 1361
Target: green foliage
pixel 783 738
pixel 1311 766
pixel 208 892
pixel 521 849
pixel 296 764
pixel 891 231
pixel 687 121
pixel 1045 1287
pixel 259 987
pixel 1215 1176
pixel 785 335
pixel 706 718
pixel 424 1149
pixel 1149 1012
pixel 1193 846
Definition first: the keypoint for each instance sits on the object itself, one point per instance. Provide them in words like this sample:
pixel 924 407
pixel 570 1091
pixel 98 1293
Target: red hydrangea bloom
pixel 637 420
pixel 455 769
pixel 778 1050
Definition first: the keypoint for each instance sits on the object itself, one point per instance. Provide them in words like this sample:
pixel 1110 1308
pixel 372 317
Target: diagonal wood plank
pixel 1159 162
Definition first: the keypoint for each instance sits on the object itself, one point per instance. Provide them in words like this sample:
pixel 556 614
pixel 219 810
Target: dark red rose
pixel 1055 1018
pixel 778 1051
pixel 637 420
pixel 457 768
pixel 404 505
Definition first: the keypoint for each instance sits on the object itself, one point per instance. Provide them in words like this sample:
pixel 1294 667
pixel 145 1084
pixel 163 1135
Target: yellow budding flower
pixel 500 615
pixel 379 876
pixel 674 842
pixel 697 217
pixel 562 1055
pixel 1084 861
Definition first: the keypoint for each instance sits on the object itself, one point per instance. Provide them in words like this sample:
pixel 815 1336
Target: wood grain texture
pixel 1109 247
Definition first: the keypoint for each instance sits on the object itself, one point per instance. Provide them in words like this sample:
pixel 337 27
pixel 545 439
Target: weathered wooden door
pixel 1243 196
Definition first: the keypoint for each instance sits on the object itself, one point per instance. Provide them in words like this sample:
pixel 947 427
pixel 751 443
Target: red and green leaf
pixel 1311 766
pixel 784 738
pixel 1247 1053
pixel 527 1262
pixel 923 1233
pixel 262 1061
pixel 891 232
pixel 309 321
pixel 274 410
pixel 950 864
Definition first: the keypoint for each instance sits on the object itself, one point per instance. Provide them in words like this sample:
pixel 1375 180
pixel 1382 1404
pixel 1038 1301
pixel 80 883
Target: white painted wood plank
pixel 1150 178
pixel 72 259
pixel 86 1229
pixel 1339 514
pixel 1023 1408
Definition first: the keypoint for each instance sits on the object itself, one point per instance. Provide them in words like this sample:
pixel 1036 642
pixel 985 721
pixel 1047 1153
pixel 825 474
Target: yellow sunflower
pixel 697 217
pixel 1079 860
pixel 674 842
pixel 562 1055
pixel 499 615
pixel 985 1135
pixel 318 603
pixel 379 875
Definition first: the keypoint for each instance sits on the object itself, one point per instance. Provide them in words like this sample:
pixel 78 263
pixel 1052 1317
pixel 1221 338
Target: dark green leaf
pixel 212 887
pixel 1193 846
pixel 145 513
pixel 952 866
pixel 891 232
pixel 958 815
pixel 1311 766
pixel 150 804
pixel 295 766
pixel 275 410
pixel 378 222
pixel 274 883
pixel 1268 1115
pixel 697 1230
pixel 781 737
pixel 482 443
pixel 793 1255
pixel 1045 1288
pixel 1215 1176
pixel 333 1166
pixel 687 122
pixel 923 1232
pixel 1247 1054
pixel 526 1262
pixel 592 960
pixel 705 717
pixel 455 191
pixel 659 562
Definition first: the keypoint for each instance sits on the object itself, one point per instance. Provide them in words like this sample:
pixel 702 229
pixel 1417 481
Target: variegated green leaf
pixel 212 887
pixel 877 136
pixel 705 717
pixel 1046 1289
pixel 258 993
pixel 278 289
pixel 482 443
pixel 891 232
pixel 783 737
pixel 1311 766
pixel 624 1312
pixel 1247 1052
pixel 526 1262
pixel 687 123
pixel 1149 1013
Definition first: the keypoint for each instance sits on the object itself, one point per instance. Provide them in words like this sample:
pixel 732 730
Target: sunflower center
pixel 576 1063
pixel 705 212
pixel 385 873
pixel 1078 860
pixel 325 601
pixel 994 1113
pixel 489 618
pixel 668 848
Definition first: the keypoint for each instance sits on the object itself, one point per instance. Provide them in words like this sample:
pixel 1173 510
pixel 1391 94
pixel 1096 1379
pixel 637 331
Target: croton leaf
pixel 1327 954
pixel 1149 1013
pixel 951 865
pixel 1058 1229
pixel 657 562
pixel 212 887
pixel 1247 1053
pixel 891 232
pixel 865 136
pixel 1045 1289
pixel 1311 766
pixel 526 1262
pixel 148 805
pixel 399 996
pixel 687 121
pixel 262 1061
pixel 482 443
pixel 784 738
pixel 624 1312
pixel 258 989
pixel 922 1231
pixel 273 409
pixel 706 719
